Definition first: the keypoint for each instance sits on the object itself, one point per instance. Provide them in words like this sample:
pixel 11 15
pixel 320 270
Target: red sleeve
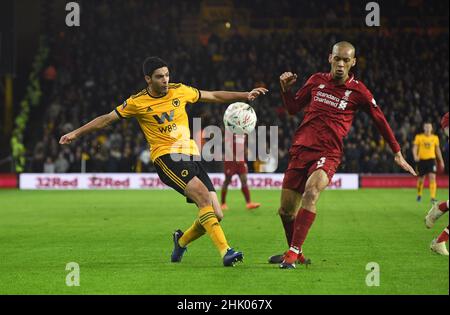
pixel 371 107
pixel 444 121
pixel 296 104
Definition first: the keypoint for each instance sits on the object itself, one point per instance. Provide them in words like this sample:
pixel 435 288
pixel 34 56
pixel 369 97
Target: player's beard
pixel 159 90
pixel 163 90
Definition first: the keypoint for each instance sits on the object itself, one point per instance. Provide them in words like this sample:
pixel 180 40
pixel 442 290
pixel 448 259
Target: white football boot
pixel 433 215
pixel 439 248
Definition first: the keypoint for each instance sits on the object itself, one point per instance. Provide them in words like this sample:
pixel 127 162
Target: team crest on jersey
pixel 344 101
pixel 176 102
pixel 347 95
pixel 124 105
pixel 184 173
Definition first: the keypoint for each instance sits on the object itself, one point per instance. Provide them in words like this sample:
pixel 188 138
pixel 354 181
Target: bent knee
pixel 286 211
pixel 311 195
pixel 203 199
pixel 219 216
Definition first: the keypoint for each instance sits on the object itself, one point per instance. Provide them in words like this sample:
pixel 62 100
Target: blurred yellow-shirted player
pixel 160 110
pixel 426 150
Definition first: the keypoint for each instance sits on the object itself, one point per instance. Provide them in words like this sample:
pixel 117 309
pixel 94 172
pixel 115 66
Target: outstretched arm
pixel 439 158
pixel 400 160
pixel 94 125
pixel 227 97
pixel 388 135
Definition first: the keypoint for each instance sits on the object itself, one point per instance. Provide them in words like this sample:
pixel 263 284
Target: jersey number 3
pixel 321 162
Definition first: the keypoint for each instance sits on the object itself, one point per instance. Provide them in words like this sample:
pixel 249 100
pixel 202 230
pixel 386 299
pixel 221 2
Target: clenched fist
pixel 67 138
pixel 287 80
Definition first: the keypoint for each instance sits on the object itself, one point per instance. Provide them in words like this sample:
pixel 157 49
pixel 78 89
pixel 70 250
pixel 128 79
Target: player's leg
pixel 244 187
pixel 198 192
pixel 433 186
pixel 224 191
pixel 420 181
pixel 177 174
pixel 197 230
pixel 289 204
pixel 246 192
pixel 438 245
pixel 204 194
pixel 436 211
pixel 294 182
pixel 216 205
pixel 315 184
pixel 191 180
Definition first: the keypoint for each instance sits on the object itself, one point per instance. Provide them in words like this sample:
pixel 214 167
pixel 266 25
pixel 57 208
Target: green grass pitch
pixel 122 242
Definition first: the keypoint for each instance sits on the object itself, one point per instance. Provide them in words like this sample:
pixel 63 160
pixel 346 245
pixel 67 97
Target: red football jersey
pixel 444 121
pixel 329 112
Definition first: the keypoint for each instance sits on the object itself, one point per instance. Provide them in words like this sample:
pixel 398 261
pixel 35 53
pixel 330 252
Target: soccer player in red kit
pixel 330 102
pixel 235 164
pixel 437 210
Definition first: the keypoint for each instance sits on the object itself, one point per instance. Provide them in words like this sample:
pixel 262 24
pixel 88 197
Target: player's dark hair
pixel 151 64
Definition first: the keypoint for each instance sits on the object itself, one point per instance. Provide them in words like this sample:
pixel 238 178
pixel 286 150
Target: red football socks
pixel 443 237
pixel 246 193
pixel 443 206
pixel 303 222
pixel 288 225
pixel 224 195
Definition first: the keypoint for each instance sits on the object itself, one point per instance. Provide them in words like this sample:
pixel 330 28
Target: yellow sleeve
pixel 417 140
pixel 437 140
pixel 128 109
pixel 192 94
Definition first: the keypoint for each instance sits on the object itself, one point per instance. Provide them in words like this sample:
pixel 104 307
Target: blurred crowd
pixel 95 67
pixel 331 11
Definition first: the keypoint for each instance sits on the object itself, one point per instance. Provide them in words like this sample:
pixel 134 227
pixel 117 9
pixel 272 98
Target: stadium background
pixel 55 78
pixel 405 64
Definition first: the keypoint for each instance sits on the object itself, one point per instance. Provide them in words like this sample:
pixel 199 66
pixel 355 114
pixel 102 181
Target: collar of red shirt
pixel 350 79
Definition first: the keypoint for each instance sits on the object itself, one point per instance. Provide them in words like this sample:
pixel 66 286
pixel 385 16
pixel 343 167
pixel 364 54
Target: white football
pixel 240 118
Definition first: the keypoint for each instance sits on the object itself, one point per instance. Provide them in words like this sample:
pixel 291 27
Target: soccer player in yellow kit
pixel 426 150
pixel 161 114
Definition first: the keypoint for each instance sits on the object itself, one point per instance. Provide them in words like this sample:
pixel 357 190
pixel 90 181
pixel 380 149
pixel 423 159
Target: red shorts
pixel 232 167
pixel 303 162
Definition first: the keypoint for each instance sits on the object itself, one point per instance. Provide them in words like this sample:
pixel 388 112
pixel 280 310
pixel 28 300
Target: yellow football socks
pixel 419 187
pixel 433 188
pixel 209 221
pixel 191 234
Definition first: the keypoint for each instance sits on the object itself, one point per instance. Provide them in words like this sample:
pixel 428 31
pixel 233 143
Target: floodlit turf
pixel 122 243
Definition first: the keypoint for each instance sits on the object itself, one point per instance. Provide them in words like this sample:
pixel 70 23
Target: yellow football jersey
pixel 163 120
pixel 426 146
